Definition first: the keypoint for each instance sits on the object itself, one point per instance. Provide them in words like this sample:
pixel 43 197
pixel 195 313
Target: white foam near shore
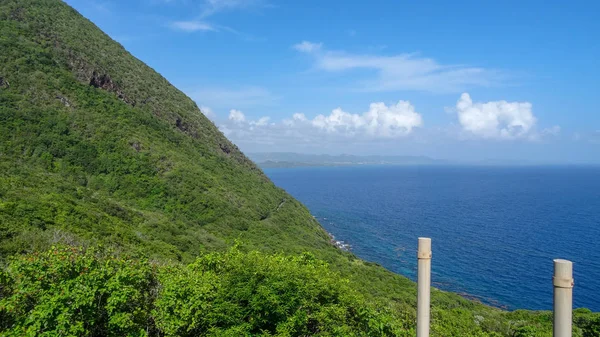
pixel 339 244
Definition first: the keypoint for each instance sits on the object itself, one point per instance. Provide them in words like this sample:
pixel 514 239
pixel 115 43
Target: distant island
pixel 291 159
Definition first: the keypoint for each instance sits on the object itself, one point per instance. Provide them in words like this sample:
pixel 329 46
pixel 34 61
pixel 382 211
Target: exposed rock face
pixel 105 82
pixel 64 100
pixel 18 14
pixel 225 148
pixel 4 82
pixel 136 146
pixel 186 128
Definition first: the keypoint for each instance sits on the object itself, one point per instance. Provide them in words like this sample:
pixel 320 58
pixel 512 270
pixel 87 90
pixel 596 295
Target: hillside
pixel 98 149
pixel 106 142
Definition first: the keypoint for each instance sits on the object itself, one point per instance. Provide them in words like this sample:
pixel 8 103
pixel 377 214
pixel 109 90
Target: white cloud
pixel 307 47
pixel 207 9
pixel 380 121
pixel 497 119
pixel 239 119
pixel 237 116
pixel 299 117
pixel 192 26
pixel 296 118
pixel 401 72
pixel 261 121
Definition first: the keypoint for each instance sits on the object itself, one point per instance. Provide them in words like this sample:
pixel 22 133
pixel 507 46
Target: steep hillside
pixel 96 148
pixel 96 145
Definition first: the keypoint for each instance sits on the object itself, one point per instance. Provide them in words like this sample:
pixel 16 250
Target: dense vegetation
pixel 96 149
pixel 70 292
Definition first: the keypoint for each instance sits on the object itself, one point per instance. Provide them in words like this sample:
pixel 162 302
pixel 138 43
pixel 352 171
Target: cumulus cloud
pixel 496 119
pixel 261 121
pixel 236 116
pixel 239 119
pixel 380 121
pixel 296 119
pixel 401 71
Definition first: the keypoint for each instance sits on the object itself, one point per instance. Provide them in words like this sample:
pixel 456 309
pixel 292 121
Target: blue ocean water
pixel 494 230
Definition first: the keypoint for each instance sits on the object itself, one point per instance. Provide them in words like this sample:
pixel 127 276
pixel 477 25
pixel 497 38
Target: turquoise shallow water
pixel 495 230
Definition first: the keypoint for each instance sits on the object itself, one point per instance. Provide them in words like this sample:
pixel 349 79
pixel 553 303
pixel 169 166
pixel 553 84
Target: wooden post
pixel 423 287
pixel 563 298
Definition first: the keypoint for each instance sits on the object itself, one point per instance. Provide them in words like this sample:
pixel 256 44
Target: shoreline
pixel 347 247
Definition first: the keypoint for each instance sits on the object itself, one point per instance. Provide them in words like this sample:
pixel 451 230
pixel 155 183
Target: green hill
pixel 96 148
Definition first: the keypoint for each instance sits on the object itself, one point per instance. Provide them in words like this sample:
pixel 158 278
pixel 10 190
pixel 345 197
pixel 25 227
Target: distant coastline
pixel 290 159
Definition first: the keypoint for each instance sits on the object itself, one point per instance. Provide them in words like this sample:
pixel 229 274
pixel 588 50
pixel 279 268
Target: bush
pixel 241 294
pixel 79 292
pixel 75 292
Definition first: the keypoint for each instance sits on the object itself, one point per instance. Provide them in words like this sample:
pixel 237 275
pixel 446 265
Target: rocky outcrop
pixel 136 146
pixel 18 14
pixel 64 100
pixel 226 148
pixel 186 128
pixel 106 83
pixel 4 82
pixel 102 82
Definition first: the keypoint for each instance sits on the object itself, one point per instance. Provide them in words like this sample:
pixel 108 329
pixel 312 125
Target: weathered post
pixel 563 298
pixel 423 287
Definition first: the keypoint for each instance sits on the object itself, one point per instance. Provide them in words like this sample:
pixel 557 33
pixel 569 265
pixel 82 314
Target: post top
pixel 424 246
pixel 562 261
pixel 563 269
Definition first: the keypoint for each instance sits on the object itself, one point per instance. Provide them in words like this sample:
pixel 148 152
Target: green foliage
pixel 257 294
pixel 87 292
pixel 76 292
pixel 71 292
pixel 588 322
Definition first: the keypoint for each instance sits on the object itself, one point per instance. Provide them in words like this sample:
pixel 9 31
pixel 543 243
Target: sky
pixel 514 81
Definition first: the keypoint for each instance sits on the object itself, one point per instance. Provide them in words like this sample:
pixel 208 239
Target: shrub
pixel 75 292
pixel 85 292
pixel 239 294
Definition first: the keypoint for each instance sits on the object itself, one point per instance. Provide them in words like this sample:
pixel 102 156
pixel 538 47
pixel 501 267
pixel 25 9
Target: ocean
pixel 494 230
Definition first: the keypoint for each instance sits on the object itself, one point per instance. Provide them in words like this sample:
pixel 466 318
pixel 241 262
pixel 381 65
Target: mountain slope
pixel 114 146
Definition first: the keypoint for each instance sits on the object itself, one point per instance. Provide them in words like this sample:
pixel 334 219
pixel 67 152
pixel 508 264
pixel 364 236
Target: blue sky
pixel 463 80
